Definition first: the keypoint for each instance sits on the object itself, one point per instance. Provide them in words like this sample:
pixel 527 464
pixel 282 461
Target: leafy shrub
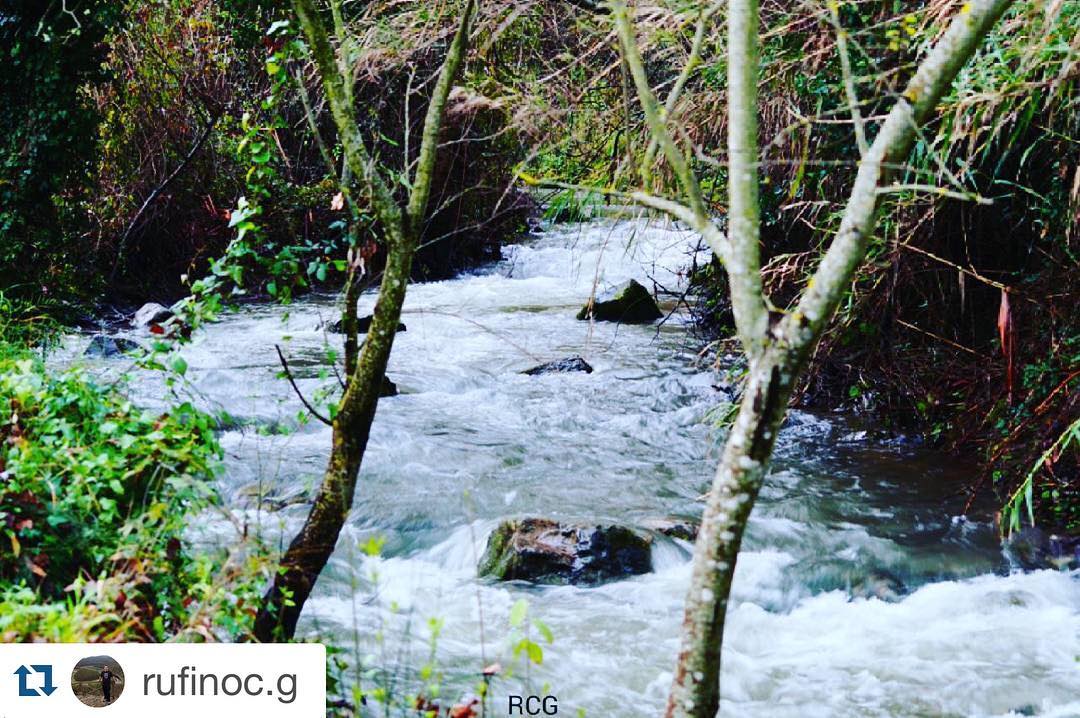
pixel 96 488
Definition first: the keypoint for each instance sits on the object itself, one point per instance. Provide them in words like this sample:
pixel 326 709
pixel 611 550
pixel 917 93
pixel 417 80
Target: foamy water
pixel 471 441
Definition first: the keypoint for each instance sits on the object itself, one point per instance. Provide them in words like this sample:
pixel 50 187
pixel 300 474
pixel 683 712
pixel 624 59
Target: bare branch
pixel 744 213
pixel 849 79
pixel 692 63
pixel 429 143
pixel 299 394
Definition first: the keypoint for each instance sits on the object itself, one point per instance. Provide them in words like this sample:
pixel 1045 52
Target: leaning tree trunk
pixel 695 690
pixel 311 548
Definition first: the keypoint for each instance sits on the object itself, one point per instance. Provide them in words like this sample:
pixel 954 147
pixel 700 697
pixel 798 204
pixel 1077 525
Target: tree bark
pixel 786 348
pixel 311 548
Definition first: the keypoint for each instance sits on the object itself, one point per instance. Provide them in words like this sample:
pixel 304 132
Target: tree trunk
pixel 695 691
pixel 311 548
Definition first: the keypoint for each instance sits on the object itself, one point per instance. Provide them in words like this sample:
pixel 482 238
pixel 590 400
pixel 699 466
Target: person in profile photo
pixel 107 679
pixel 97 681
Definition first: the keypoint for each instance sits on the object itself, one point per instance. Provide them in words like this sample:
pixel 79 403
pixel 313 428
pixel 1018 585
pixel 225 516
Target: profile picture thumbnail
pixel 97 681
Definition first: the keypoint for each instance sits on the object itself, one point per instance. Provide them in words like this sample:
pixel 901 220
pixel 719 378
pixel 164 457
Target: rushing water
pixel 471 440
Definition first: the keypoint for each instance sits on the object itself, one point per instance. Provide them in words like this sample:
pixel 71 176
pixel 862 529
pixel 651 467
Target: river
pixel 470 441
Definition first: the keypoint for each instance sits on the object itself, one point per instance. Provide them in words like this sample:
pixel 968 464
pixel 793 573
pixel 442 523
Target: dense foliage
pixel 52 55
pixel 96 489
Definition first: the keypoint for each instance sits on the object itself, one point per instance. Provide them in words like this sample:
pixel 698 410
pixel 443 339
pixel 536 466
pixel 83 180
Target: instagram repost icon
pixel 97 681
pixel 35 681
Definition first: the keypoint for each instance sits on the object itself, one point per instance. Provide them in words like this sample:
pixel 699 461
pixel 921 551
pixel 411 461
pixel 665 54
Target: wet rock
pixel 1033 549
pixel 551 552
pixel 731 391
pixel 684 529
pixel 389 388
pixel 629 303
pixel 880 584
pixel 151 313
pixel 560 366
pixel 363 325
pixel 106 346
pixel 269 499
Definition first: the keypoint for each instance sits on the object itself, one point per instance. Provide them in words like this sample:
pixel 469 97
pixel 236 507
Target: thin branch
pixel 675 157
pixel 304 401
pixel 159 189
pixel 849 80
pixel 939 191
pixel 692 63
pixel 429 142
pixel 940 338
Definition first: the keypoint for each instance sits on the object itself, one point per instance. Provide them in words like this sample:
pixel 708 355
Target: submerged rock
pixel 629 303
pixel 684 529
pixel 559 366
pixel 1032 549
pixel 260 497
pixel 106 346
pixel 151 313
pixel 546 551
pixel 880 584
pixel 363 325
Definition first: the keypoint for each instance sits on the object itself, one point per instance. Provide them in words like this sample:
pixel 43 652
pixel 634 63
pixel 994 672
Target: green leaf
pixel 536 653
pixel 544 630
pixel 1029 502
pixel 517 613
pixel 179 365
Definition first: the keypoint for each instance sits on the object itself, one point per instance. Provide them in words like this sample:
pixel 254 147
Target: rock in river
pixel 685 529
pixel 629 303
pixel 151 313
pixel 363 324
pixel 546 551
pixel 560 366
pixel 880 584
pixel 106 346
pixel 1033 549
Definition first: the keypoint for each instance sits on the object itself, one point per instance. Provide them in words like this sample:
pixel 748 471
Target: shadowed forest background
pixel 188 153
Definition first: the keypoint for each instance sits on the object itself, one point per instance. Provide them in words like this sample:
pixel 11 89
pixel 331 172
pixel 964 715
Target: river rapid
pixel 471 441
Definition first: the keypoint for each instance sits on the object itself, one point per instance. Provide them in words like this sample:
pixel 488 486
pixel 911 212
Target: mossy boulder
pixel 629 303
pixel 551 552
pixel 561 366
